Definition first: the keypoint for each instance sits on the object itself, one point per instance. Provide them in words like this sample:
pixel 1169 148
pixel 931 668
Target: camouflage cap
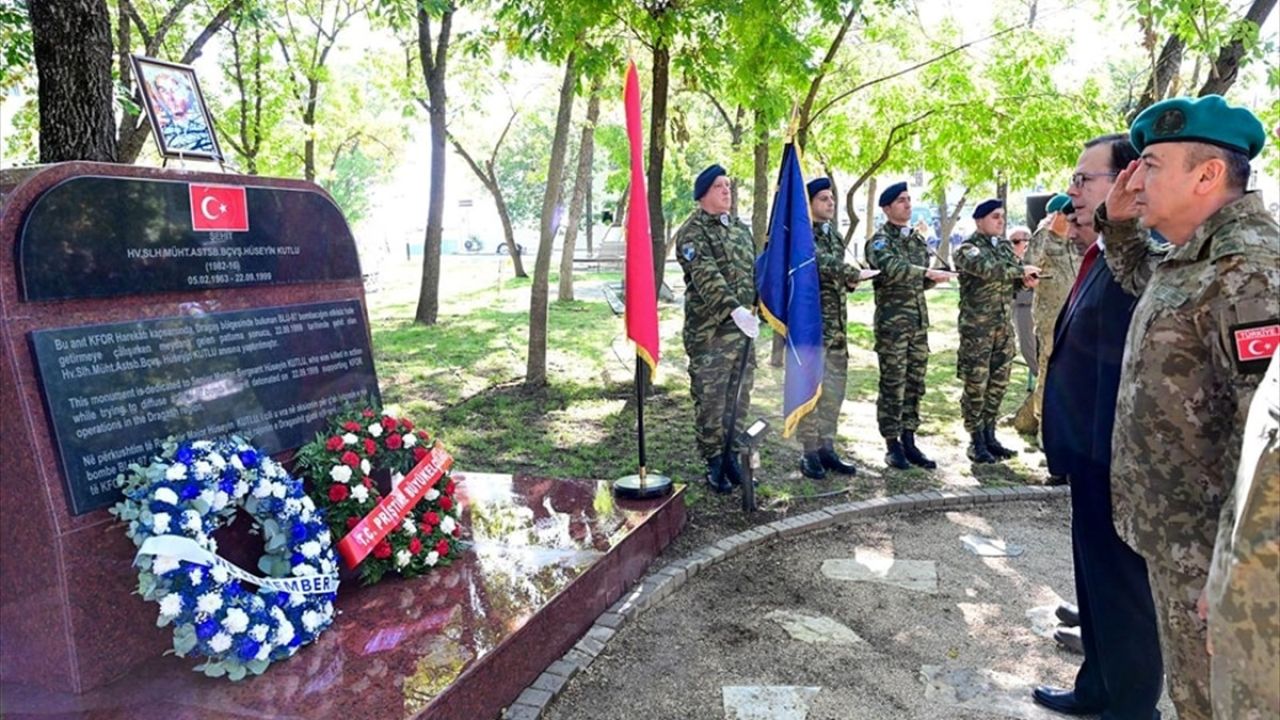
pixel 1208 119
pixel 1057 203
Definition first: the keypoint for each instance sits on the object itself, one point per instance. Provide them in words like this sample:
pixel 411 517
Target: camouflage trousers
pixel 713 371
pixel 903 352
pixel 983 364
pixel 1182 636
pixel 820 424
pixel 1245 666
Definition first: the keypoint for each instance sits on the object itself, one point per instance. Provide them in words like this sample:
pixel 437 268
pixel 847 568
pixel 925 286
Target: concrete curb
pixel 659 585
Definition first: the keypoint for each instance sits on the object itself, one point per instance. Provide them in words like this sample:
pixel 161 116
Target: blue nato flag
pixel 787 281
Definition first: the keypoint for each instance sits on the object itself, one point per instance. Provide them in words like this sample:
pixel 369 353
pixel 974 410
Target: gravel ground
pixel 673 661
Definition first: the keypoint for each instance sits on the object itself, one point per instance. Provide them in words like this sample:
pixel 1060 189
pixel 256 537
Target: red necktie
pixel 1089 256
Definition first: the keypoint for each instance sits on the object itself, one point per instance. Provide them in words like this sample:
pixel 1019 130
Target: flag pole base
pixel 635 487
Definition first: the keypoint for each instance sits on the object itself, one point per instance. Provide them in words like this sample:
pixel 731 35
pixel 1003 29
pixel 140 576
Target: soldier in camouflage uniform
pixel 1059 261
pixel 817 430
pixel 990 273
pixel 1193 354
pixel 718 257
pixel 1244 588
pixel 901 326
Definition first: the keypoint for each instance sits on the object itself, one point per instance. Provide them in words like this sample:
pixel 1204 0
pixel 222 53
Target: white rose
pixel 296 599
pixel 311 620
pixel 360 493
pixel 284 633
pixel 235 462
pixel 292 506
pixel 219 574
pixel 403 558
pixel 196 575
pixel 375 429
pixel 217 460
pixel 206 496
pixel 201 445
pixel 166 495
pixel 160 523
pixel 170 605
pixel 349 439
pixel 191 521
pixel 209 603
pixel 433 557
pixel 432 494
pixel 176 471
pixel 396 479
pixel 340 473
pixel 279 490
pixel 310 549
pixel 202 469
pixel 307 505
pixel 448 524
pixel 163 564
pixel 408 526
pixel 220 500
pixel 410 439
pixel 241 488
pixel 264 652
pixel 325 538
pixel 259 632
pixel 220 643
pixel 237 621
pixel 365 467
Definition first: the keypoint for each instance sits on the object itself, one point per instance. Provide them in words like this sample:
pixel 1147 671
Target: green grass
pixel 462 378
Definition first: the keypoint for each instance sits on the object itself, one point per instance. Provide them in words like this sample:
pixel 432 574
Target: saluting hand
pixel 1122 202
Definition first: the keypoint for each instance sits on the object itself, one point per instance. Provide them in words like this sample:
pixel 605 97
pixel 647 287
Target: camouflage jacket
pixel 1243 590
pixel 1184 392
pixel 902 257
pixel 1059 260
pixel 834 274
pixel 718 258
pixel 990 274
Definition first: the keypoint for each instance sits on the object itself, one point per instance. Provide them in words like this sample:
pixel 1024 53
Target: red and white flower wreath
pixel 340 465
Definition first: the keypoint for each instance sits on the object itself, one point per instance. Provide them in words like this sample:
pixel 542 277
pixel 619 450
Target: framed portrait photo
pixel 180 119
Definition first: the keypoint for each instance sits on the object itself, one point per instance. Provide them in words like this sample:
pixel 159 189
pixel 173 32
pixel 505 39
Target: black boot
pixel 831 461
pixel 978 451
pixel 998 451
pixel 913 454
pixel 894 458
pixel 733 470
pixel 715 475
pixel 811 465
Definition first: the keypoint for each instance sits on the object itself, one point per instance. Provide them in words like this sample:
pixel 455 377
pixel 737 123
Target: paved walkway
pixel 941 610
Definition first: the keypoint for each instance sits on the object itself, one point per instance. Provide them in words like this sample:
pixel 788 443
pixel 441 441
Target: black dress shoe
pixel 715 475
pixel 1055 480
pixel 895 458
pixel 831 461
pixel 913 454
pixel 1063 701
pixel 1069 638
pixel 1068 614
pixel 811 466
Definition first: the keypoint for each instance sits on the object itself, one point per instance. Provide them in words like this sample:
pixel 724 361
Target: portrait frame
pixel 174 105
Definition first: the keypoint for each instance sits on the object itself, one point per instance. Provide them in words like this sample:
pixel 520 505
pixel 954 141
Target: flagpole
pixel 640 415
pixel 643 485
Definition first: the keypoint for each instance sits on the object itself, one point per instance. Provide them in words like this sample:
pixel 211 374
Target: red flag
pixel 218 207
pixel 642 299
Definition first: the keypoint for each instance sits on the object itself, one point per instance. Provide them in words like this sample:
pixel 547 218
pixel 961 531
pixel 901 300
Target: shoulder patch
pixel 971 251
pixel 878 245
pixel 687 252
pixel 724 219
pixel 1255 343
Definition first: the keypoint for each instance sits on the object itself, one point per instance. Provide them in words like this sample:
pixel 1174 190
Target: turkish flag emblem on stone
pixel 218 207
pixel 1257 343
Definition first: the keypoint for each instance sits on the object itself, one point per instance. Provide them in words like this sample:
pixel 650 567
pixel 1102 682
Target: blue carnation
pixel 297 559
pixel 207 629
pixel 189 490
pixel 184 455
pixel 299 531
pixel 233 589
pixel 248 458
pixel 227 484
pixel 248 649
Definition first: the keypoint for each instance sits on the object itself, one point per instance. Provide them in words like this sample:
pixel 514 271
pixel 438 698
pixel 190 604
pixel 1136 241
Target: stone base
pixel 548 556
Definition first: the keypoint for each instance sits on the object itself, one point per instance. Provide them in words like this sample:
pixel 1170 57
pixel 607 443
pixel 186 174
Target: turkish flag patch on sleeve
pixel 218 207
pixel 1255 343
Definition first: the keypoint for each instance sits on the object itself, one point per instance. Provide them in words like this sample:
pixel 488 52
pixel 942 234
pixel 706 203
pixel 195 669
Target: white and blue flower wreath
pixel 173 506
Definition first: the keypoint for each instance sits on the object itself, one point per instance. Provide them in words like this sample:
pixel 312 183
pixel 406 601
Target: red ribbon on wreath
pixel 391 511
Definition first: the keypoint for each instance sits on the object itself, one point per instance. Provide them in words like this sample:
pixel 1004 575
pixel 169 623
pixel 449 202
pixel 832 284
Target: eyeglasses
pixel 1079 179
pixel 1019 241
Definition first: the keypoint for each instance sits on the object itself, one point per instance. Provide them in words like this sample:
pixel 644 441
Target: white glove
pixel 746 322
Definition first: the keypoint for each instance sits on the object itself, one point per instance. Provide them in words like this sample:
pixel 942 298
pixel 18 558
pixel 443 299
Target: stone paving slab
pixel 814 629
pixel 869 565
pixel 989 547
pixel 992 693
pixel 768 702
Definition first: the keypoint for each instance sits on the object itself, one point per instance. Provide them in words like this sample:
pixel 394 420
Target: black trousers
pixel 1122 670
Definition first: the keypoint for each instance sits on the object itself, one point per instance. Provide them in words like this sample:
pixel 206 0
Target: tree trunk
pixel 585 150
pixel 591 220
pixel 1162 73
pixel 433 70
pixel 536 369
pixel 508 232
pixel 657 154
pixel 72 43
pixel 760 191
pixel 1222 74
pixel 1002 194
pixel 870 228
pixel 309 131
pixel 948 222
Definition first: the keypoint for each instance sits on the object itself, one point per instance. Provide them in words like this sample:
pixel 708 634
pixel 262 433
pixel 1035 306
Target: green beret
pixel 1057 203
pixel 1208 119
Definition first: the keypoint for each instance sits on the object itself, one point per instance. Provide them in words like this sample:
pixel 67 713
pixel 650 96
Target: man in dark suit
pixel 1122 673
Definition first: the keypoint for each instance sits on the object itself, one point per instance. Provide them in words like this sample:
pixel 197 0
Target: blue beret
pixel 1057 203
pixel 817 185
pixel 986 207
pixel 1208 119
pixel 705 178
pixel 891 193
